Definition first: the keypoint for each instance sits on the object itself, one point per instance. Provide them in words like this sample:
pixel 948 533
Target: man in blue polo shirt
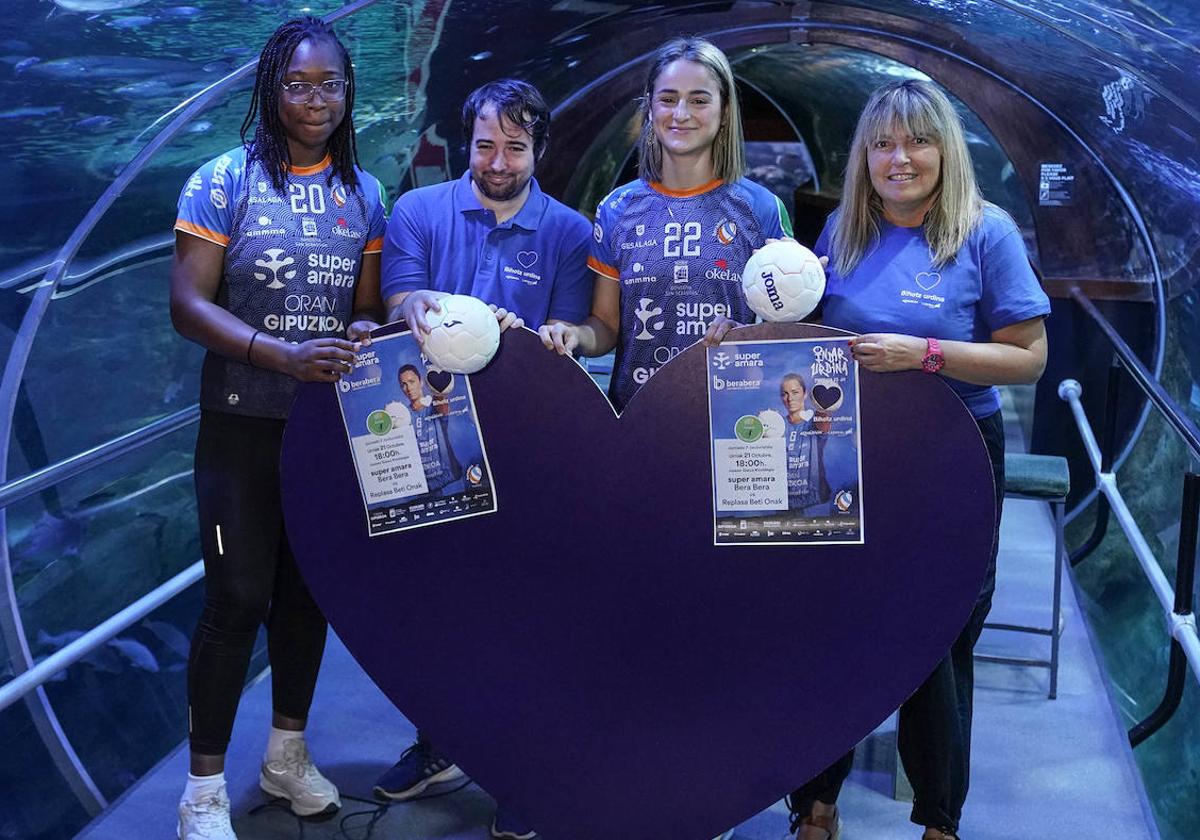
pixel 495 235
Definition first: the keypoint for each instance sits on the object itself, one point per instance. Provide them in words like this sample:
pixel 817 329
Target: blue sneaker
pixel 418 768
pixel 508 826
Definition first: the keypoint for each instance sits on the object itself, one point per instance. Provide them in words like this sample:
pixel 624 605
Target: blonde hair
pixel 729 148
pixel 921 110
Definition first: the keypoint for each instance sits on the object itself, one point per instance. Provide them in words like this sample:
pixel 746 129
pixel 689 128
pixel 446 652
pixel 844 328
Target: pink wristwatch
pixel 933 360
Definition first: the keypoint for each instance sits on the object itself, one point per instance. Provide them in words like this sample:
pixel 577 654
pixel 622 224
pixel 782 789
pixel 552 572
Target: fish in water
pixel 131 22
pixel 179 12
pixel 89 68
pixel 199 127
pixel 30 111
pixel 138 654
pixel 93 6
pixel 25 63
pixel 96 124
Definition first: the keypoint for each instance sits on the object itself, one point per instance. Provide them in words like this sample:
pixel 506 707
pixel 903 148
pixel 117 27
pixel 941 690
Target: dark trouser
pixel 251 578
pixel 935 722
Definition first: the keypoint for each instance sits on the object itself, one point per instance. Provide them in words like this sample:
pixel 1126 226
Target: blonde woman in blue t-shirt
pixel 935 279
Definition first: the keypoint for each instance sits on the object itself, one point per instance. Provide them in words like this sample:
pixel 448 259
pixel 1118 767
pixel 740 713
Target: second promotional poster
pixel 785 442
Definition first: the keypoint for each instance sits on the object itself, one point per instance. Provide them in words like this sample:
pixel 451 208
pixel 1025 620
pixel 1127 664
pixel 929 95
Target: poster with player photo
pixel 417 448
pixel 786 459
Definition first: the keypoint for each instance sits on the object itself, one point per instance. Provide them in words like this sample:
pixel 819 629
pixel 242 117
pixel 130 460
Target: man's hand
pixel 414 308
pixel 507 319
pixel 360 331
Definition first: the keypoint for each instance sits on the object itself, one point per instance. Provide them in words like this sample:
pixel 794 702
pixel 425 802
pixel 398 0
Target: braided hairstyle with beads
pixel 269 144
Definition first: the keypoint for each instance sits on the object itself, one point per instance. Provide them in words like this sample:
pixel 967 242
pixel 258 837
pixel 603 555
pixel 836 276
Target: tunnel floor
pixel 1042 768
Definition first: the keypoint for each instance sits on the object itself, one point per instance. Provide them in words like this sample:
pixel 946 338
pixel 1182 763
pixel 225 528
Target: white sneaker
pixel 295 779
pixel 207 819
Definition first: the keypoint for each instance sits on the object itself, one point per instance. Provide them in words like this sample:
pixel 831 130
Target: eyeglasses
pixel 332 90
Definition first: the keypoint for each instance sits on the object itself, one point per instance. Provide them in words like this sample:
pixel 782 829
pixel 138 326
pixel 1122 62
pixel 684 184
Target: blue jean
pixel 934 736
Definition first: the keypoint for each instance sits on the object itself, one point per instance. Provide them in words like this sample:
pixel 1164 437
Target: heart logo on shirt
pixel 928 279
pixel 527 258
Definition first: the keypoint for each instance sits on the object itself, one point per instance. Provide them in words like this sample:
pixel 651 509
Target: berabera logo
pixel 339 195
pixel 344 385
pixel 597 232
pixel 474 474
pixel 726 231
pixel 645 311
pixel 640 230
pixel 273 263
pixel 721 360
pixel 718 383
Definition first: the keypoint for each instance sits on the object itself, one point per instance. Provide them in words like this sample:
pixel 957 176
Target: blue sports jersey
pixel 292 261
pixel 679 258
pixel 805 471
pixel 534 264
pixel 896 288
pixel 433 442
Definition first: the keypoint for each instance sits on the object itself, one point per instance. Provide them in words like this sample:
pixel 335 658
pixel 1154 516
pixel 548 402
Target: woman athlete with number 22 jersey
pixel 669 248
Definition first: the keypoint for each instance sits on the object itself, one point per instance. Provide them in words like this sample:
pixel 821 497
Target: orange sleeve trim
pixel 603 269
pixel 374 246
pixel 703 188
pixel 202 232
pixel 311 170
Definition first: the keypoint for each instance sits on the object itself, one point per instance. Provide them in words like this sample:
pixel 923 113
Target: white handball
pixel 773 423
pixel 463 337
pixel 783 281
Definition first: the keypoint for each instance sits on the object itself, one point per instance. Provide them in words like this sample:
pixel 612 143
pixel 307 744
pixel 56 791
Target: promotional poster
pixel 413 433
pixel 783 417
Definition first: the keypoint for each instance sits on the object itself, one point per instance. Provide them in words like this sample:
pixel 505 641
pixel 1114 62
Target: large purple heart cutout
pixel 586 653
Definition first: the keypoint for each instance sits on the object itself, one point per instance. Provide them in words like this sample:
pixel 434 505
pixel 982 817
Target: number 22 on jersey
pixel 681 240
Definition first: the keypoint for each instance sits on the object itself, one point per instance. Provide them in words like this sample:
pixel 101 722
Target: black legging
pixel 251 578
pixel 934 737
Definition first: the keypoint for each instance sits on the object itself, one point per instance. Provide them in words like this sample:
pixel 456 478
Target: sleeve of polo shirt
pixel 206 203
pixel 571 294
pixel 602 259
pixel 405 249
pixel 1010 291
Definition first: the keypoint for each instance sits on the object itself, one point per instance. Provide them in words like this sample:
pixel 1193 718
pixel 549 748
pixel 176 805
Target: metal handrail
pixel 44 718
pixel 1145 380
pixel 59 472
pixel 68 655
pixel 1177 602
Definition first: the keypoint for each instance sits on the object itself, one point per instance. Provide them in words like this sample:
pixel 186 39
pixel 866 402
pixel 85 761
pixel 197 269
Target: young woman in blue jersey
pixel 669 248
pixel 912 221
pixel 276 274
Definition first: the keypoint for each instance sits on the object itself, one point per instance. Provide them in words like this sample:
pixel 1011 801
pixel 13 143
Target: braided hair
pixel 270 143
